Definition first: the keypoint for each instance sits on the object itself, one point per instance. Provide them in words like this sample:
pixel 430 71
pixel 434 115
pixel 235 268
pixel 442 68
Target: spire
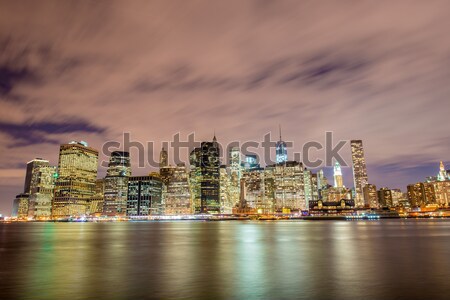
pixel 214 138
pixel 279 127
pixel 441 166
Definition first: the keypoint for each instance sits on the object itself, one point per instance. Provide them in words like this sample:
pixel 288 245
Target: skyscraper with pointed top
pixel 210 177
pixel 281 150
pixel 338 181
pixel 163 158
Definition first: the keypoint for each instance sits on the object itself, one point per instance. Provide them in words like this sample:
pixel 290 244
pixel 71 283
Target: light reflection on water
pixel 398 259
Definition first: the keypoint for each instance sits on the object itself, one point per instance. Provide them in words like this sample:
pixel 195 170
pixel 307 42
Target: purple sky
pixel 370 70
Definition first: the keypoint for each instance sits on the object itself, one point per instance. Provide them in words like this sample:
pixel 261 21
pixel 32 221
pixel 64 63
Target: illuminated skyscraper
pixel 116 184
pixel 385 197
pixel 176 191
pixel 225 204
pixel 76 182
pixel 338 182
pixel 442 175
pixel 195 177
pixel 370 196
pixel 308 185
pixel 31 165
pixel 96 202
pixel 41 192
pixel 210 180
pixel 359 171
pixel 20 206
pixel 421 194
pixel 256 195
pixel 281 151
pixel 235 175
pixel 145 196
pixel 288 184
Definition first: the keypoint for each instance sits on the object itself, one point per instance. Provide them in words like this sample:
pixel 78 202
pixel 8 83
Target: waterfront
pixel 388 259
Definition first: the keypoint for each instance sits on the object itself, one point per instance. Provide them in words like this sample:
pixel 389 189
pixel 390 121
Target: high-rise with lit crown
pixel 281 150
pixel 75 185
pixel 338 182
pixel 359 171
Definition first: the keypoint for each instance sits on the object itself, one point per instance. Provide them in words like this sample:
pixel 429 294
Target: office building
pixel 116 184
pixel 77 169
pixel 20 206
pixel 359 171
pixel 385 197
pixel 42 187
pixel 145 196
pixel 370 196
pixel 31 166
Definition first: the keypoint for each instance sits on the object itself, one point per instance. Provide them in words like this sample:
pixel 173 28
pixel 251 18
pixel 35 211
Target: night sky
pixel 372 70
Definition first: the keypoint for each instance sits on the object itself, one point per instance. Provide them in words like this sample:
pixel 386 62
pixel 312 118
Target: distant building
pixel 370 196
pixel 42 188
pixel 235 175
pixel 31 166
pixel 281 151
pixel 96 202
pixel 195 178
pixel 288 186
pixel 145 196
pixel 397 197
pixel 226 206
pixel 163 158
pixel 256 192
pixel 116 184
pixel 210 177
pixel 385 197
pixel 176 191
pixel 338 181
pixel 421 194
pixel 20 206
pixel 359 171
pixel 75 185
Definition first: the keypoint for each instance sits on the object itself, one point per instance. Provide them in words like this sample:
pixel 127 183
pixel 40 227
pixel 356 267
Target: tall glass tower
pixel 338 182
pixel 281 151
pixel 116 184
pixel 359 171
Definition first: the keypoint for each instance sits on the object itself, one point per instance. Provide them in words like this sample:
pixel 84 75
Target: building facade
pixel 77 173
pixel 145 196
pixel 359 171
pixel 116 184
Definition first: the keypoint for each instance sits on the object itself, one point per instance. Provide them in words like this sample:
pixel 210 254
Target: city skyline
pixel 152 69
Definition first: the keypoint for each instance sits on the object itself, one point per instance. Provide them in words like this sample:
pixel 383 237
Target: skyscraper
pixel 41 192
pixel 338 182
pixel 235 175
pixel 281 151
pixel 288 185
pixel 370 196
pixel 210 180
pixel 20 206
pixel 116 184
pixel 176 191
pixel 385 197
pixel 359 171
pixel 77 169
pixel 31 165
pixel 442 175
pixel 145 196
pixel 195 177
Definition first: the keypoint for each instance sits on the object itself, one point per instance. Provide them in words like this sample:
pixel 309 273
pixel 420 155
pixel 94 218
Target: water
pixel 395 259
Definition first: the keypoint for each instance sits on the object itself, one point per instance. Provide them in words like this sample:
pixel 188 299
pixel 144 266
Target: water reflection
pixel 225 260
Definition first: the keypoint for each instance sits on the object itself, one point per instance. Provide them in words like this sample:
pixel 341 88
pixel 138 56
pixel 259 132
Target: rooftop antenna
pixel 279 126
